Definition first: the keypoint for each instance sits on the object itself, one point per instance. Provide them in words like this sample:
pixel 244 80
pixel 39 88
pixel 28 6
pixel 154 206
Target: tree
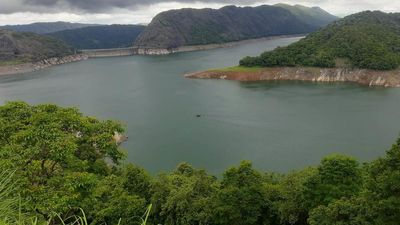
pixel 342 212
pixel 58 154
pixel 367 40
pixel 338 177
pixel 184 196
pixel 291 206
pixel 112 203
pixel 383 187
pixel 136 181
pixel 379 201
pixel 64 161
pixel 241 198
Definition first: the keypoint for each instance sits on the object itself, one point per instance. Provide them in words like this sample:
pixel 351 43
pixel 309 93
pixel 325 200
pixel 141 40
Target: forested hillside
pixel 19 47
pixel 368 40
pixel 44 28
pixel 314 15
pixel 100 37
pixel 55 160
pixel 184 27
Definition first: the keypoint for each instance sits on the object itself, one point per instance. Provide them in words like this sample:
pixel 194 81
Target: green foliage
pixel 342 212
pixel 301 192
pixel 113 203
pixel 18 47
pixel 184 196
pixel 185 27
pixel 383 187
pixel 291 207
pixel 136 181
pixel 65 162
pixel 8 202
pixel 369 40
pixel 337 177
pixel 56 153
pixel 100 37
pixel 315 15
pixel 241 199
pixel 46 27
pixel 377 203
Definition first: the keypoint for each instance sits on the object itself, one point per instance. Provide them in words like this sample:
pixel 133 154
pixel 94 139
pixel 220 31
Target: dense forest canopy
pixel 183 27
pixel 369 40
pixel 100 37
pixel 61 160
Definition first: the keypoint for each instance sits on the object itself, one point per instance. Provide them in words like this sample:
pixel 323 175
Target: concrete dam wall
pixel 113 52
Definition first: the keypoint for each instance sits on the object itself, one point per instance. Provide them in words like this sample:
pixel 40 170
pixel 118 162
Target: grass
pixel 146 215
pixel 13 62
pixel 238 69
pixel 8 204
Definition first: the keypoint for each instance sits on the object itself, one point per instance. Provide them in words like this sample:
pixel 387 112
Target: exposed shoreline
pixel 118 52
pixel 35 66
pixel 138 50
pixel 190 48
pixel 364 77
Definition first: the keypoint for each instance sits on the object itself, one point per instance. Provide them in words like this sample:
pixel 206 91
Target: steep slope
pixel 99 37
pixel 44 28
pixel 369 40
pixel 16 47
pixel 314 16
pixel 184 27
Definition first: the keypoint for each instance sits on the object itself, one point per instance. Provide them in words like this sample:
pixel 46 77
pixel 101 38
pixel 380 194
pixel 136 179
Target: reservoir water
pixel 278 126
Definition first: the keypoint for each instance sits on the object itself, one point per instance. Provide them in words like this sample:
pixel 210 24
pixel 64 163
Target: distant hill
pixel 185 27
pixel 44 28
pixel 99 37
pixel 314 15
pixel 369 39
pixel 19 47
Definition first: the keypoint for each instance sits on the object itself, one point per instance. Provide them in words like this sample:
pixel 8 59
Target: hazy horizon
pixel 142 11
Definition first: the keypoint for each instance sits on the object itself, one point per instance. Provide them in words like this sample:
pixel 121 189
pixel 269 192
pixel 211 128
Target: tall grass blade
pixel 8 203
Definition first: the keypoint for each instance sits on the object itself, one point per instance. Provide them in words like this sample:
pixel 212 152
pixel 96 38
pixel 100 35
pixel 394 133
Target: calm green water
pixel 278 126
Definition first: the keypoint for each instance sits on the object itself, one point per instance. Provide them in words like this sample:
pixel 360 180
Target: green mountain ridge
pixel 20 47
pixel 366 40
pixel 185 27
pixel 99 37
pixel 314 15
pixel 46 27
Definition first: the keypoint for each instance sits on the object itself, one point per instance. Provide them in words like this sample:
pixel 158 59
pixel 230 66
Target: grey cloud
pixel 80 7
pixel 7 6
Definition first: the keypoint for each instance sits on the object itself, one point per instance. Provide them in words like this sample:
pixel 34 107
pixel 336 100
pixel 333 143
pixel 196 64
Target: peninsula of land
pixel 389 78
pixel 363 48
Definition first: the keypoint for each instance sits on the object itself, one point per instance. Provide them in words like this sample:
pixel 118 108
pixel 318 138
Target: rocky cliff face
pixel 188 27
pixel 364 77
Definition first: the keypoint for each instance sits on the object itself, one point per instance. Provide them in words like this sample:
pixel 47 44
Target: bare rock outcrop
pixel 42 64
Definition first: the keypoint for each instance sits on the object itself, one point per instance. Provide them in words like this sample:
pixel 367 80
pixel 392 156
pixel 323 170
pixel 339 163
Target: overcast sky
pixel 141 11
